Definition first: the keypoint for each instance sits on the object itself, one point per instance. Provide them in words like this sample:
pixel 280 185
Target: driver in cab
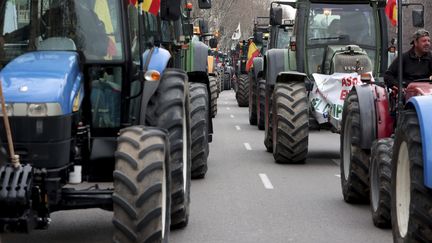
pixel 417 62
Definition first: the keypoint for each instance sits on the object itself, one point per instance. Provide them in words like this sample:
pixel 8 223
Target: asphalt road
pixel 246 197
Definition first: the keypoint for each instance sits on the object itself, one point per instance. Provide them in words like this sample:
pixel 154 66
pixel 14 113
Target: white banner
pixel 328 95
pixel 237 33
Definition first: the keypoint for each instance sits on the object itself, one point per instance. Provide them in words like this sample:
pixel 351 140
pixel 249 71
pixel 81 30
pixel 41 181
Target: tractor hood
pixel 43 77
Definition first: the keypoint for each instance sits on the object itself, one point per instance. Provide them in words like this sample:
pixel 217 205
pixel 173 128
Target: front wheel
pixel 252 100
pixel 242 91
pixel 261 93
pixel 411 204
pixel 199 129
pixel 141 198
pixel 290 123
pixel 380 182
pixel 354 164
pixel 268 126
pixel 169 109
pixel 213 95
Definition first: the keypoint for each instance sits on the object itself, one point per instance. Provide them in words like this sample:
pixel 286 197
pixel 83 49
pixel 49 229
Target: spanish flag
pixel 391 11
pixel 252 53
pixel 151 6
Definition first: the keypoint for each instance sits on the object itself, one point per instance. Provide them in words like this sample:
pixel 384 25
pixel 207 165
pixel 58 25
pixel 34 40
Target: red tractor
pixel 369 120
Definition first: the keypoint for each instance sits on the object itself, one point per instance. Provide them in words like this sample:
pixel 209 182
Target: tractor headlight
pixel 33 109
pixel 44 109
pixel 37 110
pixel 9 110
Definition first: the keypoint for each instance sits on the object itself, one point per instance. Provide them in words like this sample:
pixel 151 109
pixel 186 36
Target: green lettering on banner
pixel 316 103
pixel 336 111
pixel 326 107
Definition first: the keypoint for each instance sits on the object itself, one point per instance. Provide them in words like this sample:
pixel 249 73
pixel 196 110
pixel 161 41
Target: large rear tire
pixel 169 109
pixel 242 91
pixel 354 164
pixel 141 198
pixel 213 95
pixel 290 123
pixel 252 100
pixel 261 104
pixel 199 129
pixel 411 207
pixel 380 182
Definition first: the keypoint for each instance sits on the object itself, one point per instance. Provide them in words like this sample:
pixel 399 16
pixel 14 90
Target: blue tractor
pixel 411 165
pixel 88 96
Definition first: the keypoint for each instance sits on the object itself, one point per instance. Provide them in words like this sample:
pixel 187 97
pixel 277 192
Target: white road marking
pixel 336 161
pixel 238 128
pixel 338 175
pixel 232 116
pixel 228 108
pixel 266 181
pixel 247 146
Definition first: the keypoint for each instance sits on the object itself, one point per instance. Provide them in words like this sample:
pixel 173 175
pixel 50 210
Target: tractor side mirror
pixel 188 29
pixel 204 4
pixel 418 18
pixel 170 9
pixel 203 26
pixel 258 37
pixel 213 43
pixel 276 16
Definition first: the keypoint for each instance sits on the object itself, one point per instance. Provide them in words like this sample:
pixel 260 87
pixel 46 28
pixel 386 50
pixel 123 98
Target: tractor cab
pixel 328 30
pixel 72 64
pixel 77 75
pixel 282 22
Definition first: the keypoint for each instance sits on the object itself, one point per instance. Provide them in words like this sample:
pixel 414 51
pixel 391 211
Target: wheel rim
pixel 374 184
pixel 347 147
pixel 403 189
pixel 164 198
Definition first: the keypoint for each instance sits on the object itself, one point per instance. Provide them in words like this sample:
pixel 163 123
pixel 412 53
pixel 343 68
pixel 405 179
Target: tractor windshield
pixel 91 27
pixel 339 25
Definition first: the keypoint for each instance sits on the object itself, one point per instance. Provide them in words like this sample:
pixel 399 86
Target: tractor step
pixel 15 186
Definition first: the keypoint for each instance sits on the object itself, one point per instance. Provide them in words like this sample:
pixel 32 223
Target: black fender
pixel 150 88
pixel 276 61
pixel 202 77
pixel 367 115
pixel 258 66
pixel 291 76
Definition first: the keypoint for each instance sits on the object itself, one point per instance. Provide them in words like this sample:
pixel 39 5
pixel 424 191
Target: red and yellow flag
pixel 151 6
pixel 391 11
pixel 252 53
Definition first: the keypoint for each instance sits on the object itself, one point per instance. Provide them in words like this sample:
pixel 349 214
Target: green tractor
pixel 191 55
pixel 97 102
pixel 241 80
pixel 327 39
pixel 260 38
pixel 281 29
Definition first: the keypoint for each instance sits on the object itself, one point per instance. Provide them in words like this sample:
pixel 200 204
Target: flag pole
pixel 400 66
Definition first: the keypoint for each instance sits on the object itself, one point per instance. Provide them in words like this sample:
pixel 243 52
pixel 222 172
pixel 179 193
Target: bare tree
pixel 225 15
